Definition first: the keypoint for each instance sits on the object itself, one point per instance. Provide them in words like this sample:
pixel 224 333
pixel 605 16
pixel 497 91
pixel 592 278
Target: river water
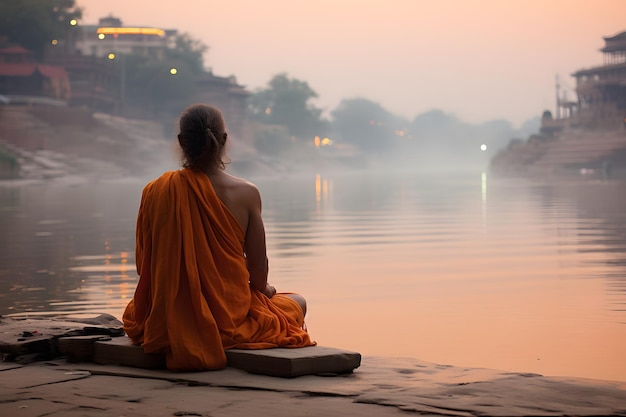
pixel 466 270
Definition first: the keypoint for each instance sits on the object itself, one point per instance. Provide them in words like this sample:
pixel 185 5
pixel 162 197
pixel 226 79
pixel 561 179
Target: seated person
pixel 201 259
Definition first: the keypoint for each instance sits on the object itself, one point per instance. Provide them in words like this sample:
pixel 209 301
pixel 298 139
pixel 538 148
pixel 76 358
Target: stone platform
pixel 378 387
pixel 102 340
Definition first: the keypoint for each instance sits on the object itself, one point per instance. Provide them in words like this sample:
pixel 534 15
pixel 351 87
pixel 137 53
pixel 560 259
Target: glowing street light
pixel 112 56
pixel 173 71
pixel 483 147
pixel 73 22
pixel 317 141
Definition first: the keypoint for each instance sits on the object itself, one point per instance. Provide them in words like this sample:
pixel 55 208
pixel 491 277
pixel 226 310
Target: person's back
pixel 201 258
pixel 237 194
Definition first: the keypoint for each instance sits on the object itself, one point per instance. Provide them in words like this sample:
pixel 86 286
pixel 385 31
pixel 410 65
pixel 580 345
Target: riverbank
pixel 57 143
pixel 66 143
pixel 379 387
pixel 573 153
pixel 37 380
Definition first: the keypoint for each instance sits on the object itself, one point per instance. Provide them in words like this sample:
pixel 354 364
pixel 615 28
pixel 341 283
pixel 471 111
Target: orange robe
pixel 193 299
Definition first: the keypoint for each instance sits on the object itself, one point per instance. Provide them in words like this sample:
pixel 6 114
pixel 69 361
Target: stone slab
pixel 121 351
pixel 80 348
pixel 280 362
pixel 344 385
pixel 289 363
pixel 27 339
pixel 112 391
pixel 380 387
pixel 6 366
pixel 27 376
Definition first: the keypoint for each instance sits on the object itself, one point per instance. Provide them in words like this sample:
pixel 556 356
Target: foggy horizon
pixel 480 60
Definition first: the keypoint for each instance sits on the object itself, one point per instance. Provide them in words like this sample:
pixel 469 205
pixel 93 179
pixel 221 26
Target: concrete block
pixel 121 351
pixel 289 363
pixel 79 348
pixel 280 362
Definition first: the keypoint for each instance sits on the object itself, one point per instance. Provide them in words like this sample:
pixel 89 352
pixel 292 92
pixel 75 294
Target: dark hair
pixel 202 137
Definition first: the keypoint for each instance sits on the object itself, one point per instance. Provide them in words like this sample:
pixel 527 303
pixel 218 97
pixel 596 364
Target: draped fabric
pixel 193 299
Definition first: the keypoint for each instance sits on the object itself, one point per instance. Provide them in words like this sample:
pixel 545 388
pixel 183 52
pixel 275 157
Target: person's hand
pixel 269 291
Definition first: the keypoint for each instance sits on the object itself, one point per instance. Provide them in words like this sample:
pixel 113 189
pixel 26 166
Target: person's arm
pixel 256 255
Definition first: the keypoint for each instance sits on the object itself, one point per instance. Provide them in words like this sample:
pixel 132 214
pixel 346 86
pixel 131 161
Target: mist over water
pixel 460 268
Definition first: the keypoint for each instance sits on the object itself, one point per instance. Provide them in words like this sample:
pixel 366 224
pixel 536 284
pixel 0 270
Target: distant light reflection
pixel 323 188
pixel 483 193
pixel 125 290
pixel 318 189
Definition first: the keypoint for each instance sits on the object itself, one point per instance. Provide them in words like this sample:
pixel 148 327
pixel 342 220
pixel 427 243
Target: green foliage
pixel 273 140
pixel 33 24
pixel 436 126
pixel 287 101
pixel 150 84
pixel 190 51
pixel 366 124
pixel 441 138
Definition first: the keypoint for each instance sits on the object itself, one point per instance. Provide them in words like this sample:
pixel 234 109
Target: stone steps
pixel 571 151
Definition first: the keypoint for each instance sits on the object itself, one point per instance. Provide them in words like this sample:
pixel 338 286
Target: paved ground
pixel 380 387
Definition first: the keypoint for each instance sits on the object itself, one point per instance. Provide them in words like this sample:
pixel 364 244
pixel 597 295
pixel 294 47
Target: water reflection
pixel 601 208
pixel 471 270
pixel 50 230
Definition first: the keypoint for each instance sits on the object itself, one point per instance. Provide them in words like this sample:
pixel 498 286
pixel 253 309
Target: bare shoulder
pixel 236 190
pixel 241 184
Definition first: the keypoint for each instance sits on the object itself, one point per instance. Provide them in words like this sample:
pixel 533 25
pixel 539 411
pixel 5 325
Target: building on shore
pixel 95 57
pixel 22 79
pixel 111 36
pixel 600 91
pixel 586 135
pixel 65 102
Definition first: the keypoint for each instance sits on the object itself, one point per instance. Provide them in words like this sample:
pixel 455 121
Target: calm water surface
pixel 466 270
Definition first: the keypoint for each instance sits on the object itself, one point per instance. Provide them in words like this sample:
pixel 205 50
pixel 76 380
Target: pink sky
pixel 477 59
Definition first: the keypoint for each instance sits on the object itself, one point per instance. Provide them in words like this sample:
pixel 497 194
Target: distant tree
pixel 165 85
pixel 190 51
pixel 437 124
pixel 273 140
pixel 287 101
pixel 441 139
pixel 151 84
pixel 33 24
pixel 366 124
pixel 531 126
pixel 434 118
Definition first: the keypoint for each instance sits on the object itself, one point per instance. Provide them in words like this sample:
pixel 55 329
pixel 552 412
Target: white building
pixel 110 36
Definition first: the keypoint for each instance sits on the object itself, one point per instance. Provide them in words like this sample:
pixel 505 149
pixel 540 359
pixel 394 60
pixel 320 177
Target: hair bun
pixel 202 137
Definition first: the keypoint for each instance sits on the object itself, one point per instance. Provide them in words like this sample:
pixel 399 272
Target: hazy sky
pixel 476 59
